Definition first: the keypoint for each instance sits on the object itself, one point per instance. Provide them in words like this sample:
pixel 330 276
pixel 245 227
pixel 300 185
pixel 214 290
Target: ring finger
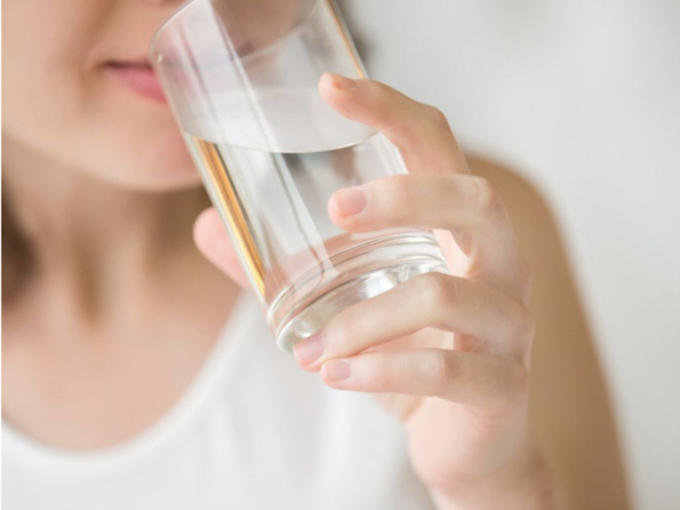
pixel 430 300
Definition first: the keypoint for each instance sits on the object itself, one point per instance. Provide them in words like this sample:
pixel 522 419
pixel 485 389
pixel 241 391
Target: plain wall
pixel 583 99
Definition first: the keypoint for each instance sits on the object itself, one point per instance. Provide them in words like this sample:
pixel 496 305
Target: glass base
pixel 368 271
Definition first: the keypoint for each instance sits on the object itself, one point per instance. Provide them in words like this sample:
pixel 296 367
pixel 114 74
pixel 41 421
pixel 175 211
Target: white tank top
pixel 253 431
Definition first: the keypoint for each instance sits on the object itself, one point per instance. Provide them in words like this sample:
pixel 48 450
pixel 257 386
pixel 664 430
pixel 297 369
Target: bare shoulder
pixel 571 405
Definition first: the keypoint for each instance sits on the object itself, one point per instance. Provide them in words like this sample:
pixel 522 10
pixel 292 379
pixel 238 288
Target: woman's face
pixel 77 90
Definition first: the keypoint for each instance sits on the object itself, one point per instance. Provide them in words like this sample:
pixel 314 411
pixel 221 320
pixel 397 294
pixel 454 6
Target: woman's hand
pixel 447 354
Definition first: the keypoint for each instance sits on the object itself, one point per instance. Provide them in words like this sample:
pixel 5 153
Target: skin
pixel 132 261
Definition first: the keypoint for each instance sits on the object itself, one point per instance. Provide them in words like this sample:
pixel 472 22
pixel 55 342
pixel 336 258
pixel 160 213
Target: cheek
pixel 133 141
pixel 97 128
pixel 58 104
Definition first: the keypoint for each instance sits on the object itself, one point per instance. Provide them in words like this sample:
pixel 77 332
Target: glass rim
pixel 189 3
pixel 164 25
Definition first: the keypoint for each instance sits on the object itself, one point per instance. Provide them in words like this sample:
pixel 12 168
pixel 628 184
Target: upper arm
pixel 571 410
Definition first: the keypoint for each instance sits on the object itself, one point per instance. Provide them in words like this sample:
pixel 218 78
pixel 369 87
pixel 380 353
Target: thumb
pixel 213 242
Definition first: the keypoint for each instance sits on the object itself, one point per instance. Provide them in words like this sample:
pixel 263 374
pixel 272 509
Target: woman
pixel 123 387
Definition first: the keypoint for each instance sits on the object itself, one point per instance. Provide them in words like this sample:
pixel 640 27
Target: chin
pixel 165 172
pixel 154 180
pixel 160 165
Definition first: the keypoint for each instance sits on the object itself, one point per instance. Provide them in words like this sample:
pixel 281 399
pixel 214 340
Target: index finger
pixel 420 131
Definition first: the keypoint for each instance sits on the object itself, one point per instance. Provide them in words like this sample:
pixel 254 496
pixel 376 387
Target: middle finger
pixel 466 205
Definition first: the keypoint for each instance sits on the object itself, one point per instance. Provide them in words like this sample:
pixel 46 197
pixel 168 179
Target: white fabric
pixel 253 431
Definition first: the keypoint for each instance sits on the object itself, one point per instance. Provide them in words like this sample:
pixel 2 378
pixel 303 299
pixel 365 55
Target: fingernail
pixel 343 83
pixel 351 201
pixel 337 370
pixel 309 350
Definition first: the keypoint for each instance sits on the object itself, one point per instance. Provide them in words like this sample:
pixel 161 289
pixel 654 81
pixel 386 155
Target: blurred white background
pixel 583 99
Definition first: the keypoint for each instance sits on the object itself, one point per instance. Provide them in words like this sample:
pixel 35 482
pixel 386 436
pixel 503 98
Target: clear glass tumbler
pixel 241 77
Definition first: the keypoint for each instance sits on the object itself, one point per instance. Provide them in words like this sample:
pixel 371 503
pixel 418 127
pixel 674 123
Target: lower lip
pixel 141 80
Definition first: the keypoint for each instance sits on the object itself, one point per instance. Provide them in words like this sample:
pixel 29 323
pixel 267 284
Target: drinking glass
pixel 241 78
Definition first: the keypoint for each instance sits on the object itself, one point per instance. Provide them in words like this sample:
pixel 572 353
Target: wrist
pixel 527 485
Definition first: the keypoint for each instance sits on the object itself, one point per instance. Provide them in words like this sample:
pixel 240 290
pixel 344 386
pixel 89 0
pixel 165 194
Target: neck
pixel 91 234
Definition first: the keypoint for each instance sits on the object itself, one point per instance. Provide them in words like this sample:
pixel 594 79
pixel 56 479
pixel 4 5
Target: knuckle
pixel 375 86
pixel 439 290
pixel 442 370
pixel 525 324
pixel 437 117
pixel 486 198
pixel 509 387
pixel 525 274
pixel 382 96
pixel 526 268
pixel 522 324
pixel 517 385
pixel 381 372
pixel 396 195
pixel 342 332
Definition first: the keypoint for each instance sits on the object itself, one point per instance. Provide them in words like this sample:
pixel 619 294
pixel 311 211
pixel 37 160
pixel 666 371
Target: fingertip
pixel 333 210
pixel 331 83
pixel 342 221
pixel 210 237
pixel 202 227
pixel 212 240
pixel 326 81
